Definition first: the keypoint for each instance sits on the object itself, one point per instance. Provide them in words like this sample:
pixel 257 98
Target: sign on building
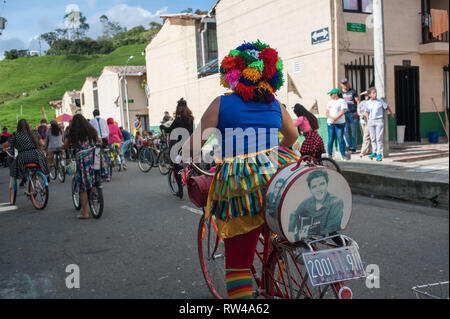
pixel 356 27
pixel 319 36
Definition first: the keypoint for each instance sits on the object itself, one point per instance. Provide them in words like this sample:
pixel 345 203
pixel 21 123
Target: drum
pixel 304 201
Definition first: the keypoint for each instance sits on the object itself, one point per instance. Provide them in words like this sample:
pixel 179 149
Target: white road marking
pixel 193 210
pixel 7 208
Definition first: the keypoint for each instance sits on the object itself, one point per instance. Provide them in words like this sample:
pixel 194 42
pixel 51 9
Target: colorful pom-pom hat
pixel 254 71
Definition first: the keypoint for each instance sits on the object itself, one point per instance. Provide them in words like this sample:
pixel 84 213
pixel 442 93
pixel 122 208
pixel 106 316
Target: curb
pixel 422 192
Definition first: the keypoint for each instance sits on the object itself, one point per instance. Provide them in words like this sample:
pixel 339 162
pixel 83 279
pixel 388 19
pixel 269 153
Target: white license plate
pixel 333 265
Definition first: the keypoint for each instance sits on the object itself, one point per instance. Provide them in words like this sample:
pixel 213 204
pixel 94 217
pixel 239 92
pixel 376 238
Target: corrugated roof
pixel 75 94
pixel 183 16
pixel 91 78
pixel 129 69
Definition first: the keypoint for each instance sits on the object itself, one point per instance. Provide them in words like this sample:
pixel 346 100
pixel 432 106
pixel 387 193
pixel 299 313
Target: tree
pixel 155 25
pixel 110 28
pixel 77 24
pixel 188 10
pixel 12 54
pixel 49 37
pixel 200 12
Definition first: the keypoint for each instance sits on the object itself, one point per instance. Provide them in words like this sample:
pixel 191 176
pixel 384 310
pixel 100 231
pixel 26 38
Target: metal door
pixel 407 101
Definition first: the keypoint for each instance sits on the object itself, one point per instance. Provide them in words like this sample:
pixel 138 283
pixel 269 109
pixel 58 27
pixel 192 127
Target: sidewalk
pixel 412 172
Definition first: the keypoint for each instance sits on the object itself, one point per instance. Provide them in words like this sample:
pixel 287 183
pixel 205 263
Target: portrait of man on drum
pixel 319 214
pixel 272 197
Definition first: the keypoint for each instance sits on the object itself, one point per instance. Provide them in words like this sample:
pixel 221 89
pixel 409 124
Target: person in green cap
pixel 335 112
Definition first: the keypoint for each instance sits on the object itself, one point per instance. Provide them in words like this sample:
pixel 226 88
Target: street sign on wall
pixel 356 27
pixel 319 36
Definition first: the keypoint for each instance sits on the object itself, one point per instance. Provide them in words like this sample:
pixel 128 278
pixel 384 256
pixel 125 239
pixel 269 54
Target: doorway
pixel 407 101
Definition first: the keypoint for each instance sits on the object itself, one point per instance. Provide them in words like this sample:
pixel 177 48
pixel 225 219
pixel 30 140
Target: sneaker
pixel 344 158
pixel 379 159
pixel 373 155
pixel 353 151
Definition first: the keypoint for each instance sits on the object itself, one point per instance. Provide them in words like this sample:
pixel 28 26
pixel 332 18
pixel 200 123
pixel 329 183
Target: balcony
pixel 434 27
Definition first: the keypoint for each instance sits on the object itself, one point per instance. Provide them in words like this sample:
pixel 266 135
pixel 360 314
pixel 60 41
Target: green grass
pixel 67 72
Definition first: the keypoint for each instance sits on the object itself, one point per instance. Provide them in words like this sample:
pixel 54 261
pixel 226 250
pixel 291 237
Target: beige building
pixel 320 42
pixel 173 59
pixel 89 97
pixel 122 95
pixel 70 103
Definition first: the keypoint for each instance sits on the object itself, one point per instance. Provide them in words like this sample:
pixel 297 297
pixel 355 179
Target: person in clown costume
pixel 249 119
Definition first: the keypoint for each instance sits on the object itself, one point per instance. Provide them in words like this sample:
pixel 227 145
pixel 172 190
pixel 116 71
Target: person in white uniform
pixel 375 109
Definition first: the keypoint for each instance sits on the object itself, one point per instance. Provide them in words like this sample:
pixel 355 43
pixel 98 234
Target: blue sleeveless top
pixel 248 127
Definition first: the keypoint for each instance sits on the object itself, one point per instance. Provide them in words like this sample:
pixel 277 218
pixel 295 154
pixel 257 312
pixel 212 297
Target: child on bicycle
pixel 83 137
pixel 53 140
pixel 307 124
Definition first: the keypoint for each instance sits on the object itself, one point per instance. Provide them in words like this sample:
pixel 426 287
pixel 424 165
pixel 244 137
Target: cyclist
pixel 126 140
pixel 4 138
pixel 83 137
pixel 114 137
pixel 237 189
pixel 101 127
pixel 307 124
pixel 42 129
pixel 29 148
pixel 53 141
pixel 183 119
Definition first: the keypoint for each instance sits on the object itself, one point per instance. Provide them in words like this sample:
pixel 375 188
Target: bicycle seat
pixel 31 165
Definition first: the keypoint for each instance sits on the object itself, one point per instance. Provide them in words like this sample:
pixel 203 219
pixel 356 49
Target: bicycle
pixel 185 174
pixel 325 161
pixel 312 268
pixel 116 159
pixel 163 158
pixel 146 158
pixel 438 290
pixel 36 186
pixel 131 153
pixel 58 169
pixel 95 194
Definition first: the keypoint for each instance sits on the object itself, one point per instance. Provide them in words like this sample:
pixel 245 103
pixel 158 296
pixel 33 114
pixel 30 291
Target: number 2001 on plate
pixel 333 265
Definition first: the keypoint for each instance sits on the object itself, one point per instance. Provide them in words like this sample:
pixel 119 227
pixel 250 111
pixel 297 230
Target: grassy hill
pixel 67 72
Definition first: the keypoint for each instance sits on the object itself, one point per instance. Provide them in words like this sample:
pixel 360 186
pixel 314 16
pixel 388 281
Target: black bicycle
pixel 95 194
pixel 58 170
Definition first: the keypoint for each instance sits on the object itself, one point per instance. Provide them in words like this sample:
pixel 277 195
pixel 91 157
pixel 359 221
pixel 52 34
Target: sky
pixel 27 19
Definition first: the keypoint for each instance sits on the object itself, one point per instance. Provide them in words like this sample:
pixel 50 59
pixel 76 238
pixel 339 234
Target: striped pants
pixel 239 255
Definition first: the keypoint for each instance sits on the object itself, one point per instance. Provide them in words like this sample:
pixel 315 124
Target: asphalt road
pixel 144 246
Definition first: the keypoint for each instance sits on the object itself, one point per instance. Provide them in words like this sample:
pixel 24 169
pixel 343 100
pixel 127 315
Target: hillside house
pixel 122 94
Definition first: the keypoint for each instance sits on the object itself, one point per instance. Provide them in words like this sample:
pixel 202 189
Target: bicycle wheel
pixel 287 277
pixel 330 163
pixel 145 162
pixel 173 185
pixel 95 199
pixel 38 191
pixel 164 162
pixel 75 196
pixel 211 251
pixel 53 172
pixel 133 153
pixel 61 172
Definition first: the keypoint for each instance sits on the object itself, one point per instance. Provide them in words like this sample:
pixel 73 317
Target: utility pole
pixel 126 92
pixel 380 64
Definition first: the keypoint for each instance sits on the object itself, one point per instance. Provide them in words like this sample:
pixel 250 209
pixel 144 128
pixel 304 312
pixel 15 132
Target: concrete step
pixel 418 190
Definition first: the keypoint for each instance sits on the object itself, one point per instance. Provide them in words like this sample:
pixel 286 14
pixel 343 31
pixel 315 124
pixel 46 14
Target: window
pixel 95 92
pixel 358 6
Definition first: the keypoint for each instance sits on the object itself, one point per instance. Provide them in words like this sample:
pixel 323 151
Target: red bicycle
pixel 315 268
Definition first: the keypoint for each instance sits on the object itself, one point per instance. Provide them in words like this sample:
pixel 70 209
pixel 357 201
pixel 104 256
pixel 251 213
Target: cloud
pixel 127 16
